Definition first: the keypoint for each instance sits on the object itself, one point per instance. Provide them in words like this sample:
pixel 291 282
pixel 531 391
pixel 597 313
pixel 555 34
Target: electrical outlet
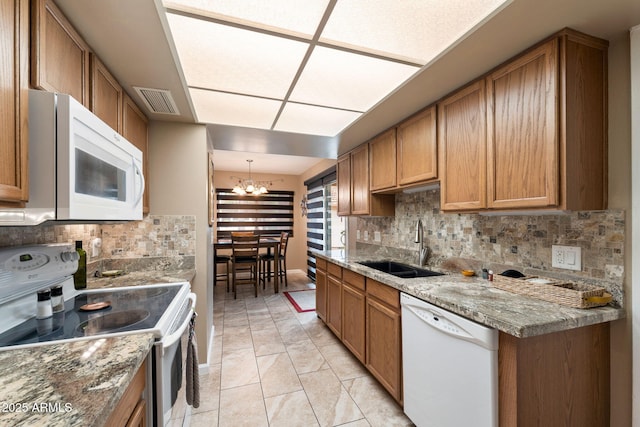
pixel 366 235
pixel 357 234
pixel 567 257
pixel 377 237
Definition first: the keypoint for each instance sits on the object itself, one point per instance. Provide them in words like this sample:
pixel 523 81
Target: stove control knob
pixel 69 256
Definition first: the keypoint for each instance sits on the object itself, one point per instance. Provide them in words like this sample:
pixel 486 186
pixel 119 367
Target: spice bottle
pixel 80 276
pixel 57 299
pixel 44 304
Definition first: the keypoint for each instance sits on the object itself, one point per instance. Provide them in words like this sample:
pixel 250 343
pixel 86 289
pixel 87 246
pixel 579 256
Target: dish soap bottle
pixel 80 276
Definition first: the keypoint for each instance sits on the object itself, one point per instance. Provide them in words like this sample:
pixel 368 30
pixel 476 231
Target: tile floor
pixel 272 366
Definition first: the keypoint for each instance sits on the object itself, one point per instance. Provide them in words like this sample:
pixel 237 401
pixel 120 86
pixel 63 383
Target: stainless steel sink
pixel 399 270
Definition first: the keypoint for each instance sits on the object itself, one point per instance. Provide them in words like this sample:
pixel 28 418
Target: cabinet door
pixel 59 56
pixel 321 294
pixel 360 180
pixel 382 158
pixel 417 148
pixel 343 167
pixel 106 95
pixel 14 101
pixel 135 130
pixel 334 305
pixel 522 139
pixel 462 130
pixel 383 349
pixel 353 320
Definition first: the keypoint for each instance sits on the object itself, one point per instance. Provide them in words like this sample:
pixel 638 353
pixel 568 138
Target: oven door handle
pixel 174 337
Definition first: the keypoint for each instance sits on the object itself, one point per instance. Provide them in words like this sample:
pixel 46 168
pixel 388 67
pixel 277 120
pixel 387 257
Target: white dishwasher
pixel 450 367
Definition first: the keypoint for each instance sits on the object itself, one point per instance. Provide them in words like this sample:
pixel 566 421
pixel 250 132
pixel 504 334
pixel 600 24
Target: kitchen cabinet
pixel 546 131
pixel 135 129
pixel 334 299
pixel 59 56
pixel 406 155
pixel 354 197
pixel 131 409
pixel 106 95
pixel 321 289
pixel 417 156
pixel 382 151
pixel 462 138
pixel 384 336
pixel 14 101
pixel 555 379
pixel 343 178
pixel 353 313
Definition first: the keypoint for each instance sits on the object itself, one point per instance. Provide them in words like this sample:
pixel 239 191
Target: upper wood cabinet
pixel 106 95
pixel 14 101
pixel 360 180
pixel 546 131
pixel 343 174
pixel 382 158
pixel 462 138
pixel 406 155
pixel 135 130
pixel 354 196
pixel 59 56
pixel 417 156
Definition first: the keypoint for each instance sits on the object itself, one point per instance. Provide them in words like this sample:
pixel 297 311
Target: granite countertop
pixel 476 299
pixel 71 384
pixel 76 383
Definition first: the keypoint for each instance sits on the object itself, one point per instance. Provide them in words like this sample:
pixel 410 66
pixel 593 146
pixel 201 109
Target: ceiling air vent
pixel 158 100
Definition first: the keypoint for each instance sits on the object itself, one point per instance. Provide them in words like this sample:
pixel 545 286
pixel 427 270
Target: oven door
pixel 169 363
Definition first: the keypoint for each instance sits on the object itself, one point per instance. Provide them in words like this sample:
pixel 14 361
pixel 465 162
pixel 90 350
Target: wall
pixel 178 186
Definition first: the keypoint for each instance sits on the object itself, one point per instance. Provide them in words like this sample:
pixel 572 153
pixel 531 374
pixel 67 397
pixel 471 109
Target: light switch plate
pixel 366 235
pixel 567 257
pixel 357 234
pixel 377 237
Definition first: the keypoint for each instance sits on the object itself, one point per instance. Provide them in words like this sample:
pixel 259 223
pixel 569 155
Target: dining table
pixel 269 243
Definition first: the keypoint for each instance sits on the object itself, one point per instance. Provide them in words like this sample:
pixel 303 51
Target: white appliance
pixel 165 310
pixel 79 168
pixel 450 367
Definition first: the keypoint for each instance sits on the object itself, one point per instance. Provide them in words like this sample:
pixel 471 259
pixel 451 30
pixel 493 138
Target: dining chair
pixel 266 259
pixel 245 259
pixel 219 260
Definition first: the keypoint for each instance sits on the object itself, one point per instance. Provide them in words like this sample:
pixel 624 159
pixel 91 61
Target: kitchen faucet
pixel 422 251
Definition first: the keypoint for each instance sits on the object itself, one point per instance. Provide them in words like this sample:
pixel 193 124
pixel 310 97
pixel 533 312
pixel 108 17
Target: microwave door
pixel 100 177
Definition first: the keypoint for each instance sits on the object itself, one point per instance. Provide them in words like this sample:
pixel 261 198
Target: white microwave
pixel 80 169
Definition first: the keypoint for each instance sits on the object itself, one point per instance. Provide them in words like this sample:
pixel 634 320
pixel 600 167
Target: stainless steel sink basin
pixel 399 270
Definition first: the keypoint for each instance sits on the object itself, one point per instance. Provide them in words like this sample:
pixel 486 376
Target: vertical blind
pixel 268 214
pixel 316 216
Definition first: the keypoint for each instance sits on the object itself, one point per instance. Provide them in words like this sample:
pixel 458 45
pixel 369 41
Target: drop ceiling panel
pixel 234 60
pixel 416 30
pixel 338 79
pixel 292 17
pixel 312 120
pixel 235 110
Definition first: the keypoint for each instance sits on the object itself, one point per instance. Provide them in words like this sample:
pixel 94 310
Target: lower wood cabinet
pixel 131 410
pixel 321 289
pixel 334 299
pixel 384 336
pixel 365 315
pixel 557 379
pixel 353 313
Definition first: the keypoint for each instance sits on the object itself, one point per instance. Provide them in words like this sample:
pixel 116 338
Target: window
pixel 268 214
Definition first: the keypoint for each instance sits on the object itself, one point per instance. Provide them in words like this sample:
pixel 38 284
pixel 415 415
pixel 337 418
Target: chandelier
pixel 249 186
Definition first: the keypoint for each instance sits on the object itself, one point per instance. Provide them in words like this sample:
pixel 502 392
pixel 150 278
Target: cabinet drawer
pixel 384 293
pixel 334 270
pixel 354 279
pixel 321 264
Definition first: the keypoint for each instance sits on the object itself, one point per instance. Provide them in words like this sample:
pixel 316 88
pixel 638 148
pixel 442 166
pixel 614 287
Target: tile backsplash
pixel 161 237
pixel 502 241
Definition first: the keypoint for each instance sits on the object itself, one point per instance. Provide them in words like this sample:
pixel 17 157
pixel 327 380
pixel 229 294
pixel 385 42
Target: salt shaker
pixel 57 299
pixel 44 304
